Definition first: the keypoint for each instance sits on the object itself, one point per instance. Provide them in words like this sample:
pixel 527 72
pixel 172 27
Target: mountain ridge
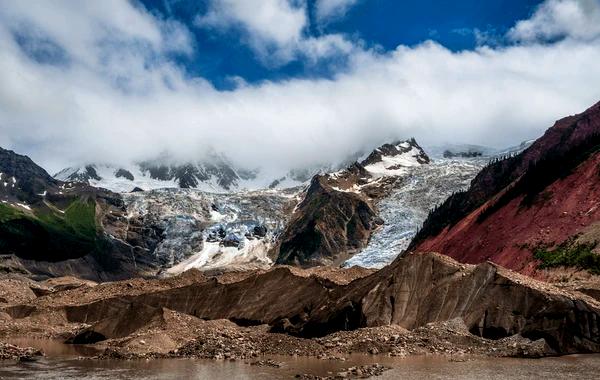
pixel 537 200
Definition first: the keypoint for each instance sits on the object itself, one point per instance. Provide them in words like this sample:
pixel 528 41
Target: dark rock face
pixel 143 233
pixel 411 292
pixel 124 174
pixel 160 172
pixel 338 215
pixel 327 226
pixel 468 154
pixel 554 181
pixel 260 230
pixel 127 321
pixel 21 179
pixel 187 176
pixel 396 149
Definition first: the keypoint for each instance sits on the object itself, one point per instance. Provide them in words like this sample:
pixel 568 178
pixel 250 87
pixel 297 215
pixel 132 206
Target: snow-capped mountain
pixel 216 175
pixel 423 187
pixel 223 230
pixel 338 212
pixel 207 215
pixel 395 159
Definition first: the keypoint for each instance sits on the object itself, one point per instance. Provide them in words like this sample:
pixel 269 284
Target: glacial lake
pixel 62 363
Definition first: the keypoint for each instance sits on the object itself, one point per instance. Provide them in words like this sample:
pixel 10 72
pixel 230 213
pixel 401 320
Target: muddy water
pixel 61 363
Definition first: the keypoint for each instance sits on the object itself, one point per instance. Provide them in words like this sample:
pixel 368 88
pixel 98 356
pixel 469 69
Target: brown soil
pixel 16 290
pixel 222 339
pixel 172 317
pixel 340 276
pixel 11 352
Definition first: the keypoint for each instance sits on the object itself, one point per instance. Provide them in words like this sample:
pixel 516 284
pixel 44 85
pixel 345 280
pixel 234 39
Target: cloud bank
pixel 95 82
pixel 556 19
pixel 275 29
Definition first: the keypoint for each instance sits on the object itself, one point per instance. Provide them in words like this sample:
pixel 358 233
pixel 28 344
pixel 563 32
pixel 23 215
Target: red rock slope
pixel 541 198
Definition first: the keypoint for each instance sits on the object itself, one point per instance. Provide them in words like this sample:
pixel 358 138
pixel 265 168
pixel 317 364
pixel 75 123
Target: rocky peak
pixel 389 158
pixel 21 179
pixel 337 216
pixel 122 173
pixel 327 227
pixel 83 174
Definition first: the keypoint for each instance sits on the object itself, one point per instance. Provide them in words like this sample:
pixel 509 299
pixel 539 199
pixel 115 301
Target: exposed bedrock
pixel 327 227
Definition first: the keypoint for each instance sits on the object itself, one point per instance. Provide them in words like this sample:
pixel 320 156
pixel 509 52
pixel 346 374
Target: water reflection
pixel 61 365
pixel 55 348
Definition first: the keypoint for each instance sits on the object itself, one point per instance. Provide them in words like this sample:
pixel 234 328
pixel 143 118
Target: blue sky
pixel 381 24
pixel 283 84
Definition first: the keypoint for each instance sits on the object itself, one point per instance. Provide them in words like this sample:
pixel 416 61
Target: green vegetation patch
pixel 81 217
pixel 569 254
pixel 50 235
pixel 8 213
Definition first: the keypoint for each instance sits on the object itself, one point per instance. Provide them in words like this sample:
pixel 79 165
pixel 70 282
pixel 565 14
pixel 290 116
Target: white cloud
pixel 326 10
pixel 275 29
pixel 126 101
pixel 555 19
pixel 269 21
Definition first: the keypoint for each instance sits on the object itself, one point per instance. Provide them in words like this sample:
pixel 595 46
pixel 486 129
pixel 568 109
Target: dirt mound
pixel 16 291
pixel 340 276
pixel 11 352
pixel 411 293
pixel 137 286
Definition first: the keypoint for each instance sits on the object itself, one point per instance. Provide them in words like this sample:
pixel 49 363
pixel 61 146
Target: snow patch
pixel 395 165
pixel 252 254
pixel 24 206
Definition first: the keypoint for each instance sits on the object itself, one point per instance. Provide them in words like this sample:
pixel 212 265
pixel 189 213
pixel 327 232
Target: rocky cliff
pixel 49 227
pixel 338 214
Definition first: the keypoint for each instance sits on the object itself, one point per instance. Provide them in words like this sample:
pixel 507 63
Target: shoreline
pixel 353 366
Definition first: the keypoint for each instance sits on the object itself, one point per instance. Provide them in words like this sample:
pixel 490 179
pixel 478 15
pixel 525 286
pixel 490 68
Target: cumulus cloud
pixel 275 29
pixel 556 19
pixel 117 97
pixel 270 21
pixel 326 10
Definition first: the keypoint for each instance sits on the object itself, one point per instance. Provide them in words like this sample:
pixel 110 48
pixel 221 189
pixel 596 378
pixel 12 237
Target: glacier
pixel 405 209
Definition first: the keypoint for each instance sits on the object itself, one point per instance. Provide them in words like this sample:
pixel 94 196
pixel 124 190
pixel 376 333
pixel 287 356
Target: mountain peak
pixel 392 159
pixel 21 179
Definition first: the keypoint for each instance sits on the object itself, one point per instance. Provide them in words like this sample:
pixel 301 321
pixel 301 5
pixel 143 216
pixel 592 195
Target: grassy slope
pixel 48 234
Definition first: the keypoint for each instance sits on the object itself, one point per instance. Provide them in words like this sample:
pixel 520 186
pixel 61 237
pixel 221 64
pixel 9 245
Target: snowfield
pixel 395 165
